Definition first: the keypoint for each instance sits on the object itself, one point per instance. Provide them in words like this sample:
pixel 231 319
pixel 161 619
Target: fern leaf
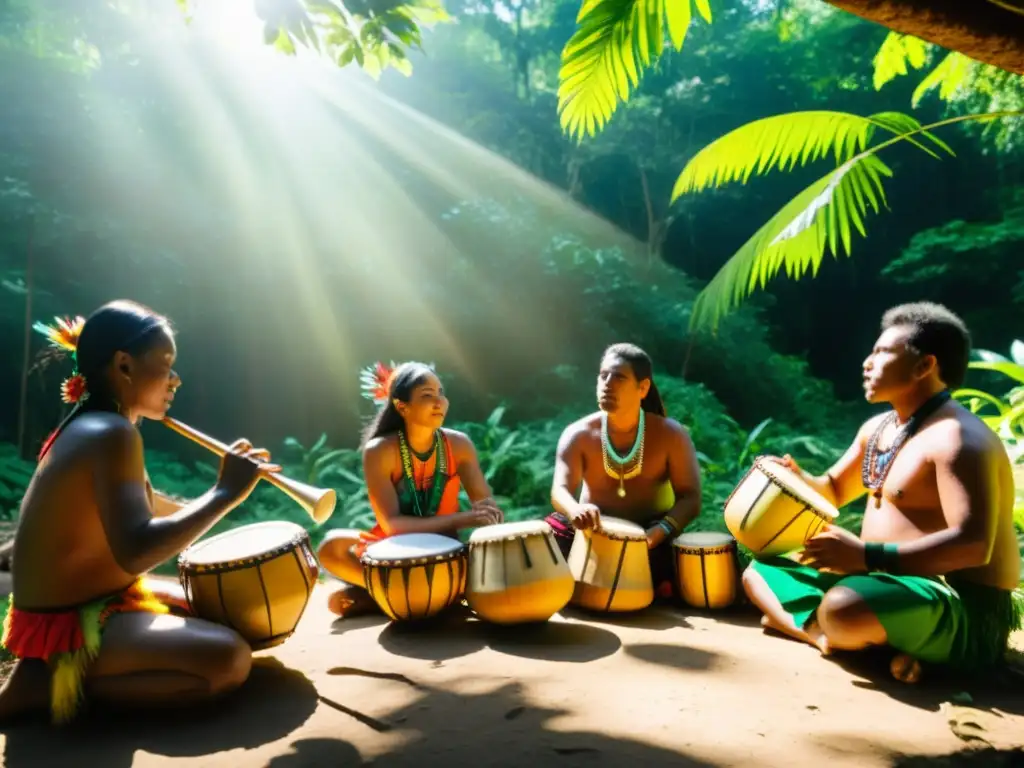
pixel 948 76
pixel 895 53
pixel 795 239
pixel 615 40
pixel 785 141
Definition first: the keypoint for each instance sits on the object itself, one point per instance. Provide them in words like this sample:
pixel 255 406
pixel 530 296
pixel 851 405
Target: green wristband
pixel 881 558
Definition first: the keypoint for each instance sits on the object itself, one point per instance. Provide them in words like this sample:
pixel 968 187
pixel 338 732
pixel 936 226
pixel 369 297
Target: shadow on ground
pixel 457 633
pixel 968 758
pixel 273 703
pixel 497 727
pixel 997 692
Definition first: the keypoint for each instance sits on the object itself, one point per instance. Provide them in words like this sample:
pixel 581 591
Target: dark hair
pixel 388 420
pixel 119 326
pixel 640 362
pixel 937 331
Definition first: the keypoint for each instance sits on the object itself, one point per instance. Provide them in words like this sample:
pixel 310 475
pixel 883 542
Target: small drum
pixel 415 575
pixel 612 567
pixel 706 570
pixel 773 511
pixel 256 579
pixel 517 573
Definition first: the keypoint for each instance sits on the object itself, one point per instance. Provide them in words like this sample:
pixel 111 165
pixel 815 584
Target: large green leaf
pixel 795 238
pixel 615 40
pixel 784 141
pixel 895 54
pixel 949 75
pixel 1013 370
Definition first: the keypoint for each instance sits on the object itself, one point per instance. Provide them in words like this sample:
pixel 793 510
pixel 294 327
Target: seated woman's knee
pixel 336 556
pixel 337 543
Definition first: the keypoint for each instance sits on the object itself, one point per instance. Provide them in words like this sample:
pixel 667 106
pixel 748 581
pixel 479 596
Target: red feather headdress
pixel 375 381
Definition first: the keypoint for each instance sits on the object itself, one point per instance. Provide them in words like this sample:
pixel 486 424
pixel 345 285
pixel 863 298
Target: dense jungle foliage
pixel 125 134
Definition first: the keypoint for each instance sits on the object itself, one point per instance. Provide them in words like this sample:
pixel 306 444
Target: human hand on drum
pixel 788 462
pixel 836 550
pixel 489 506
pixel 586 517
pixel 481 513
pixel 240 469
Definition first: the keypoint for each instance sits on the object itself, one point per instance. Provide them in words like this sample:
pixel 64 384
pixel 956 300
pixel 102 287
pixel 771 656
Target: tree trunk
pixel 991 32
pixel 27 347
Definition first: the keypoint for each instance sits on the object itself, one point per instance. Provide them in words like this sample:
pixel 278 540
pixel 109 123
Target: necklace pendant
pixel 621 492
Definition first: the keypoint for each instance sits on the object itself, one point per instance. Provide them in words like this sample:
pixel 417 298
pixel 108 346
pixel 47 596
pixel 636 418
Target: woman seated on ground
pixel 84 622
pixel 413 471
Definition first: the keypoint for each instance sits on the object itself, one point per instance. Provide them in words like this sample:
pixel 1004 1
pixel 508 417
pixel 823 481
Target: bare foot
pixel 818 639
pixel 905 668
pixel 27 690
pixel 349 602
pixel 812 635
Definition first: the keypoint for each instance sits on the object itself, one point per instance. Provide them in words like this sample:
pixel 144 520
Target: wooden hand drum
pixel 612 567
pixel 517 573
pixel 256 579
pixel 705 567
pixel 773 511
pixel 415 575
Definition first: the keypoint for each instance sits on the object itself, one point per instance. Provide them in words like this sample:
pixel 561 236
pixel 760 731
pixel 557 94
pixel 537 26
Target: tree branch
pixel 985 31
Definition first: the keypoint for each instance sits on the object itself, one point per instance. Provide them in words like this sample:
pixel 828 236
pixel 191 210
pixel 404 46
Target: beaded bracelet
pixel 667 526
pixel 881 558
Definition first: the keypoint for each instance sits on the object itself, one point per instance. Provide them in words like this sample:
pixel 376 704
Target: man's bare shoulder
pixel 961 433
pixel 581 431
pixel 668 428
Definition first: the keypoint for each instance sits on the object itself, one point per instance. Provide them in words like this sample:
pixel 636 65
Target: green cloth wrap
pixel 940 620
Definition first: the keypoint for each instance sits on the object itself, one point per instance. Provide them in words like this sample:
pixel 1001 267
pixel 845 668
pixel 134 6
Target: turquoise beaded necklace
pixel 609 454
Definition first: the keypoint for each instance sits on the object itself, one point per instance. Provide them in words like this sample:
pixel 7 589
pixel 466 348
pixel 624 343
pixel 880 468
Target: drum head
pixel 246 541
pixel 503 531
pixel 793 483
pixel 617 528
pixel 703 539
pixel 412 546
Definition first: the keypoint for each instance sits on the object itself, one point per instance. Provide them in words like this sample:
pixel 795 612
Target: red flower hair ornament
pixel 63 336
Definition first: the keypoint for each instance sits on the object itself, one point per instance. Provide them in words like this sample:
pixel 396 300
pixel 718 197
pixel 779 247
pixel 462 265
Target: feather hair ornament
pixel 63 336
pixel 375 381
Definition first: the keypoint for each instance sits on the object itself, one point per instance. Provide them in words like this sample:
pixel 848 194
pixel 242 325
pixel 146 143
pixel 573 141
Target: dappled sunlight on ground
pixel 665 686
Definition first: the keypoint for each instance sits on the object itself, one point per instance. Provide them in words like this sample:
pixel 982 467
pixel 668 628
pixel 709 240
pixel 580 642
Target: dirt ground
pixel 668 687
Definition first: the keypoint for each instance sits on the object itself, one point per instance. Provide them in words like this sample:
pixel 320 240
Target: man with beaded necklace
pixel 934 571
pixel 627 460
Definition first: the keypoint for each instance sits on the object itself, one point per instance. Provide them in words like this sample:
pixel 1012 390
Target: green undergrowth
pixel 517 459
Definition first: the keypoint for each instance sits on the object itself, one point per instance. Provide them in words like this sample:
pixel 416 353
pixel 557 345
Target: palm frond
pixel 615 40
pixel 822 215
pixel 895 54
pixel 948 76
pixel 784 141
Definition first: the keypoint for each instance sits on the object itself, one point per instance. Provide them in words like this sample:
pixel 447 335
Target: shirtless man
pixel 82 622
pixel 649 474
pixel 933 572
